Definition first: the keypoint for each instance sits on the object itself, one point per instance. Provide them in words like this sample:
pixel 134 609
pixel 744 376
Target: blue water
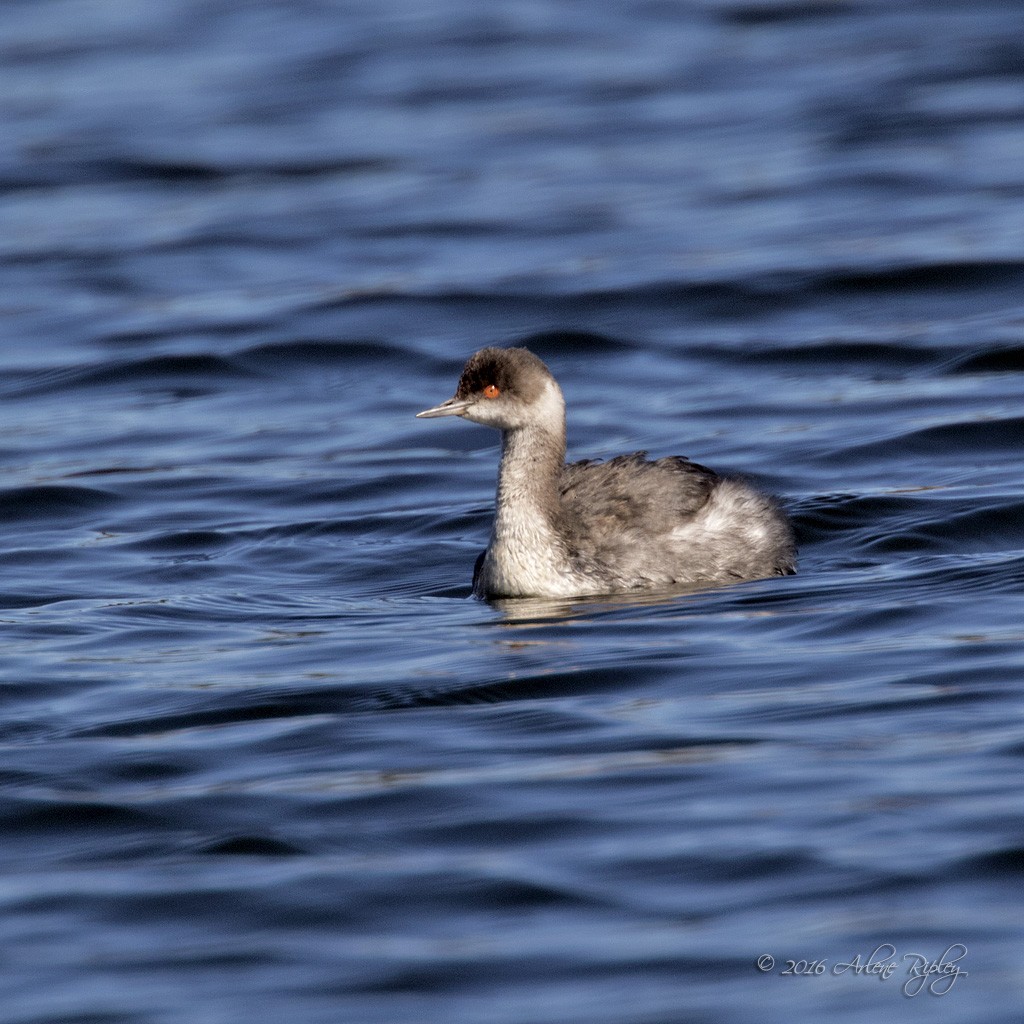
pixel 262 757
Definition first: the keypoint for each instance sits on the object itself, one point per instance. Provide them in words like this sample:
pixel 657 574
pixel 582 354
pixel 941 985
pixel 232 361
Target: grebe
pixel 590 528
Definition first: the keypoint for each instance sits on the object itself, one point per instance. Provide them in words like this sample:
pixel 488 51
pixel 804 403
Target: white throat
pixel 525 556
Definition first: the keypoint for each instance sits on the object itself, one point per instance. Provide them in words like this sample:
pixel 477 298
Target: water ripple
pixel 263 755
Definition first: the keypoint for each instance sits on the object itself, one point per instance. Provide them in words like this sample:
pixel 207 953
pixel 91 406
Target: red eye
pixel 492 391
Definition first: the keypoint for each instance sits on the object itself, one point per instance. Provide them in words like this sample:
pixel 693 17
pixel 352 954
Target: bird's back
pixel 630 494
pixel 641 522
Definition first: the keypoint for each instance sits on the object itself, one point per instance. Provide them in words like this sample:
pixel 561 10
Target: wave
pixel 52 502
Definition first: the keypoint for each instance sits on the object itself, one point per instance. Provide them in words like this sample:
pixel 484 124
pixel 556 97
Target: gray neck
pixel 532 458
pixel 526 555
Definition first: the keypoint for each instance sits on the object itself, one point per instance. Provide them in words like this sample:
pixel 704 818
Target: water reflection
pixel 525 611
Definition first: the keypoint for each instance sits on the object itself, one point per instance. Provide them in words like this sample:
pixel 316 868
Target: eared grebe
pixel 603 527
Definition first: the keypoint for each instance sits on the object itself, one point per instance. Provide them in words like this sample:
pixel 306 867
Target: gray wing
pixel 611 506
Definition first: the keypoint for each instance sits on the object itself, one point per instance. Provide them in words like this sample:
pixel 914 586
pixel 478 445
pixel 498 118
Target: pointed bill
pixel 453 407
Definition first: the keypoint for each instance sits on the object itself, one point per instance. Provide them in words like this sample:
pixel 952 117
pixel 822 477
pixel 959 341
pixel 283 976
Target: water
pixel 262 755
